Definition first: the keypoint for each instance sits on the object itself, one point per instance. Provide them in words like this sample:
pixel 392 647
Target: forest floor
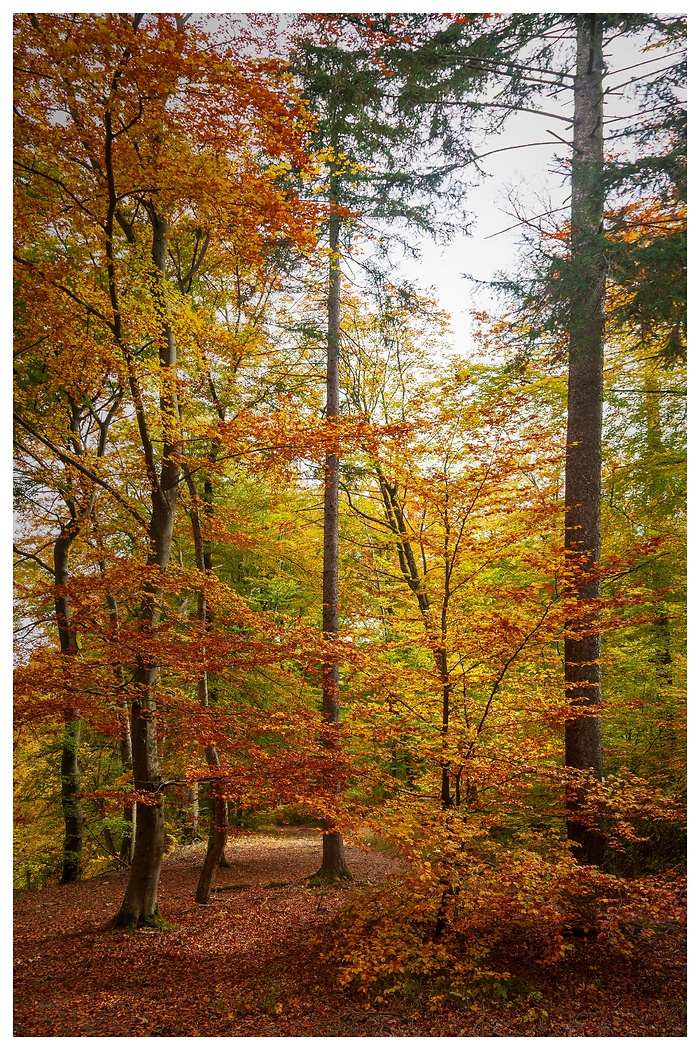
pixel 242 966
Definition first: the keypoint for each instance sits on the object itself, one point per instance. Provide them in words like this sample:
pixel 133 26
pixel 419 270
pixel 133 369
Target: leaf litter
pixel 242 965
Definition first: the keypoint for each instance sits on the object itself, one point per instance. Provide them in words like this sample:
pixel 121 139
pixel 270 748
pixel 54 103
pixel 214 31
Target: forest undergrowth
pixel 251 962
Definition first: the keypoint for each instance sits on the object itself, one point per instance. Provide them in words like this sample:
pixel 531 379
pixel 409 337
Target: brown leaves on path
pixel 242 966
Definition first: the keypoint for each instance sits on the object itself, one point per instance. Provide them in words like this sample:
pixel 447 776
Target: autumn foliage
pixel 174 188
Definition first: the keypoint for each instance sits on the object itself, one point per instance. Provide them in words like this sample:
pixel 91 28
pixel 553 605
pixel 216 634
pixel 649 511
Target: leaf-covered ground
pixel 242 966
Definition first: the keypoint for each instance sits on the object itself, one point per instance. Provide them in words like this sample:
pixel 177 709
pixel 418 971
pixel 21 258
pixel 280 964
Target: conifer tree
pixel 564 298
pixel 377 172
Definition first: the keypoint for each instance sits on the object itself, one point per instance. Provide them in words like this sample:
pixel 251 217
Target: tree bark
pixel 70 767
pixel 126 849
pixel 140 904
pixel 333 864
pixel 218 807
pixel 218 834
pixel 582 650
pixel 129 812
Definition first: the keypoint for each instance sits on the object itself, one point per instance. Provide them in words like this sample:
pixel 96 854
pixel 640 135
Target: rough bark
pixel 333 864
pixel 582 652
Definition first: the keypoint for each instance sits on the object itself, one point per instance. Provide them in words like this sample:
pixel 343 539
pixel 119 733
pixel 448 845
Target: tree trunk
pixel 191 796
pixel 126 847
pixel 446 798
pixel 140 904
pixel 409 570
pixel 218 819
pixel 582 651
pixel 218 807
pixel 660 656
pixel 333 864
pixel 218 834
pixel 70 798
pixel 70 767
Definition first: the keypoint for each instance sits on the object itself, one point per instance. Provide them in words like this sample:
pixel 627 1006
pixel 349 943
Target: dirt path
pixel 228 968
pixel 241 966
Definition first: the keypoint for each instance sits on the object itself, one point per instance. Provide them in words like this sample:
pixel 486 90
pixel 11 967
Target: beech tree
pixel 101 123
pixel 171 379
pixel 61 434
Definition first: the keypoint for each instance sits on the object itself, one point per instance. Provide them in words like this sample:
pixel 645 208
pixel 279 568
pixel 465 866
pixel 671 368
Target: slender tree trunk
pixel 70 764
pixel 140 904
pixel 218 807
pixel 129 812
pixel 582 652
pixel 126 849
pixel 70 767
pixel 333 864
pixel 70 798
pixel 409 570
pixel 191 797
pixel 446 798
pixel 218 817
pixel 218 834
pixel 660 656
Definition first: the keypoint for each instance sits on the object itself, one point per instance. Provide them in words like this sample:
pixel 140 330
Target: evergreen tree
pixel 375 149
pixel 613 243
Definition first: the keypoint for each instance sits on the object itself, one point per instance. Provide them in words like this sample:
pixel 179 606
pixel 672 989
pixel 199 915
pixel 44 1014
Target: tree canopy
pixel 259 478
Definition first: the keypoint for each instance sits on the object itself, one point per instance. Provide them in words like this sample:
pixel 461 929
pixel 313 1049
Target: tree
pixel 584 736
pixel 450 487
pixel 60 432
pixel 568 297
pixel 104 136
pixel 375 153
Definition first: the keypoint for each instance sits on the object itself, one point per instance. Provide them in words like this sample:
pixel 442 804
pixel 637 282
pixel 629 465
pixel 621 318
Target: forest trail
pixel 242 966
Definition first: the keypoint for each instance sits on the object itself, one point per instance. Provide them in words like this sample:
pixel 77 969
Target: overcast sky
pixel 531 178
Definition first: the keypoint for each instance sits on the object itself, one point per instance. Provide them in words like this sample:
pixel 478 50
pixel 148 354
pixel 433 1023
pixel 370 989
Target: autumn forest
pixel 349 635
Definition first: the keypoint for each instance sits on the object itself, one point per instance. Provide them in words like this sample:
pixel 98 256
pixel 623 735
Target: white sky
pixel 530 177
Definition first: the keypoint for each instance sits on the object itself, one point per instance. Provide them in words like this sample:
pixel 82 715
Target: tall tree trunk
pixel 446 797
pixel 333 864
pixel 660 634
pixel 218 807
pixel 582 650
pixel 140 904
pixel 70 767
